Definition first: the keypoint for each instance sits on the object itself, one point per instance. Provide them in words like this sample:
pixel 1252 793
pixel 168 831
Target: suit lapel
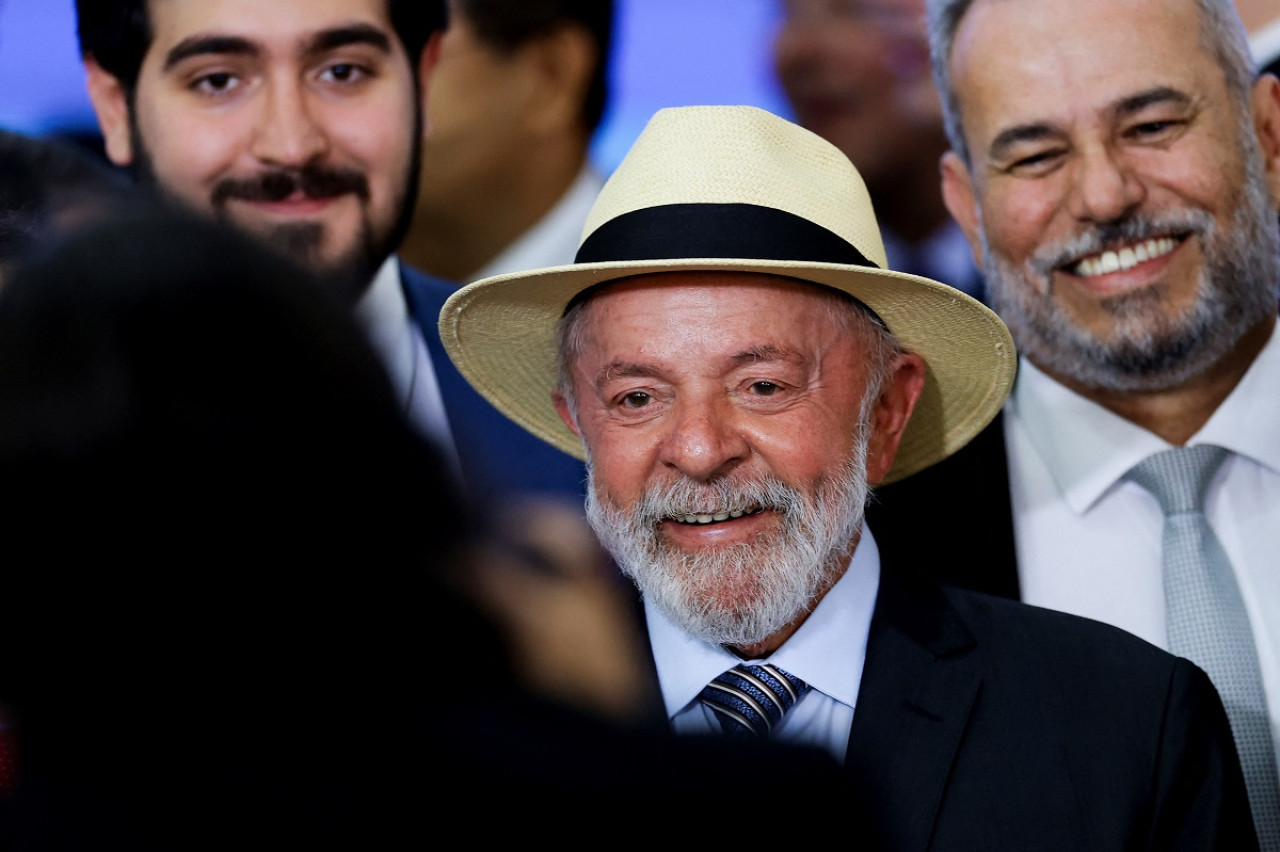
pixel 913 706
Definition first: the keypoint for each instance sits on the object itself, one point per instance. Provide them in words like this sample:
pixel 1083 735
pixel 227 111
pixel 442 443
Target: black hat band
pixel 742 231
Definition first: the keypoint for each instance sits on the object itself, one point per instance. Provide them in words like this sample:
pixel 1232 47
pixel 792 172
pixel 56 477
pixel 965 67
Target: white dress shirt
pixel 1088 541
pixel 384 315
pixel 827 652
pixel 553 240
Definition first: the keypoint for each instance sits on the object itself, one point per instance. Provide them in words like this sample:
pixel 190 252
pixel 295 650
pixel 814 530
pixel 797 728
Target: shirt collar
pixel 842 620
pixel 1088 448
pixel 384 315
pixel 1247 420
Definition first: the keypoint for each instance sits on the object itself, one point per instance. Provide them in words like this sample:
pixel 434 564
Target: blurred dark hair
pixel 226 551
pixel 507 24
pixel 184 398
pixel 49 186
pixel 117 33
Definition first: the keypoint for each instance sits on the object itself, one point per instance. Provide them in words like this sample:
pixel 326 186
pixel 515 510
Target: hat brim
pixel 500 333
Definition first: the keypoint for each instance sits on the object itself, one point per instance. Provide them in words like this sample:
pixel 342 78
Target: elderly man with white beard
pixel 737 365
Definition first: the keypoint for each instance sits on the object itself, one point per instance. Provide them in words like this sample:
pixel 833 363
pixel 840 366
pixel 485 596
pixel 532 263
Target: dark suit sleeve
pixel 1201 802
pixel 500 460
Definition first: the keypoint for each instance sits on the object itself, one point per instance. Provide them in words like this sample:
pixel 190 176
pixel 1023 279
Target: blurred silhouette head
pixel 223 543
pixel 49 186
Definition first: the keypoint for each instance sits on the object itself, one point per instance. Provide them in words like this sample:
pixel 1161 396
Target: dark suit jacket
pixel 988 724
pixel 953 520
pixel 498 457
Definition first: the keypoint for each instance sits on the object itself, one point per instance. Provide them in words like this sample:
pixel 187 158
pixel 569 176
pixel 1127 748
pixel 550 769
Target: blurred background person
pixel 507 177
pixel 1262 20
pixel 856 72
pixel 215 591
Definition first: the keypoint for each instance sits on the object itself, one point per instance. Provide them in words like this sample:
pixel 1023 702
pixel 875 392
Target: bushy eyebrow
pixel 1008 138
pixel 1124 108
pixel 216 45
pixel 354 34
pixel 619 369
pixel 322 42
pixel 1159 95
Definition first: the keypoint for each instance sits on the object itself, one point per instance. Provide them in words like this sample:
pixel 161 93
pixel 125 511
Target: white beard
pixel 742 593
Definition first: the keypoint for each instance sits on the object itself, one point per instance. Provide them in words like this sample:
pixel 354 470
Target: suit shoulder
pixel 427 288
pixel 1048 634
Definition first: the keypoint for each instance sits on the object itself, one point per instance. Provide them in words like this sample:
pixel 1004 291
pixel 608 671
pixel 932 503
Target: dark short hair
pixel 117 33
pixel 505 25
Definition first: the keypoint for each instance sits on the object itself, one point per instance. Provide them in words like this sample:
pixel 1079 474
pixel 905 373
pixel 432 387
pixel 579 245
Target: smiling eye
pixel 765 388
pixel 636 399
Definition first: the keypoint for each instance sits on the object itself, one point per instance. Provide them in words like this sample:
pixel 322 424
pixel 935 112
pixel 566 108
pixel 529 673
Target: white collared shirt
pixel 1089 542
pixel 827 652
pixel 384 315
pixel 553 240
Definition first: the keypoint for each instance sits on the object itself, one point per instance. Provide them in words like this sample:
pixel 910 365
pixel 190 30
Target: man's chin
pixel 348 270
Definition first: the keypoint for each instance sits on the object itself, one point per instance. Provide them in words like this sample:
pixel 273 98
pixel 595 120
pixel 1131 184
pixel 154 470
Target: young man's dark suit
pixel 498 457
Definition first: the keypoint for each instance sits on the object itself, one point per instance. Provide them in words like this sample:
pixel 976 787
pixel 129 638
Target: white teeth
pixel 1126 258
pixel 709 519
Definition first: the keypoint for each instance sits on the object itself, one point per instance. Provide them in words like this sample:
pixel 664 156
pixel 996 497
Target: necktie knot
pixel 750 700
pixel 1179 477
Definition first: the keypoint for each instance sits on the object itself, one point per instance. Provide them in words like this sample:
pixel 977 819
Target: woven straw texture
pixel 500 331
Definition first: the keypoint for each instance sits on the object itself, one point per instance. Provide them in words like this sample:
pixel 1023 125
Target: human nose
pixel 1104 188
pixel 287 131
pixel 704 440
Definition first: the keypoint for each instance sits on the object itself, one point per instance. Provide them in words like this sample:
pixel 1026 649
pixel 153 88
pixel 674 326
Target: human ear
pixel 957 193
pixel 566 413
pixel 892 412
pixel 1266 122
pixel 561 62
pixel 426 66
pixel 111 106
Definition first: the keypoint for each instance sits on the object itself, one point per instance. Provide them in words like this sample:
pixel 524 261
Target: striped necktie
pixel 750 701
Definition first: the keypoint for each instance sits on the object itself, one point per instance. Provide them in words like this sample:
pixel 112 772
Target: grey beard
pixel 1148 350
pixel 743 593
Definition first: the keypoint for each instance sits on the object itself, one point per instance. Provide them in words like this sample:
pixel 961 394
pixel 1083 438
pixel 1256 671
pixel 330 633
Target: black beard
pixel 351 275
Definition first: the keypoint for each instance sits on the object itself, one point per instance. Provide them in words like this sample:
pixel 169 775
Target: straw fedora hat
pixel 735 188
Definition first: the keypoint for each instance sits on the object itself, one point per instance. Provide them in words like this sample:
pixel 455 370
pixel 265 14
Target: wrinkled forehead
pixel 717 310
pixel 1059 63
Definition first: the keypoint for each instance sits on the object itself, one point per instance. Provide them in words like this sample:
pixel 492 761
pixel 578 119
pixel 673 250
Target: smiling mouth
pixel 1120 260
pixel 715 518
